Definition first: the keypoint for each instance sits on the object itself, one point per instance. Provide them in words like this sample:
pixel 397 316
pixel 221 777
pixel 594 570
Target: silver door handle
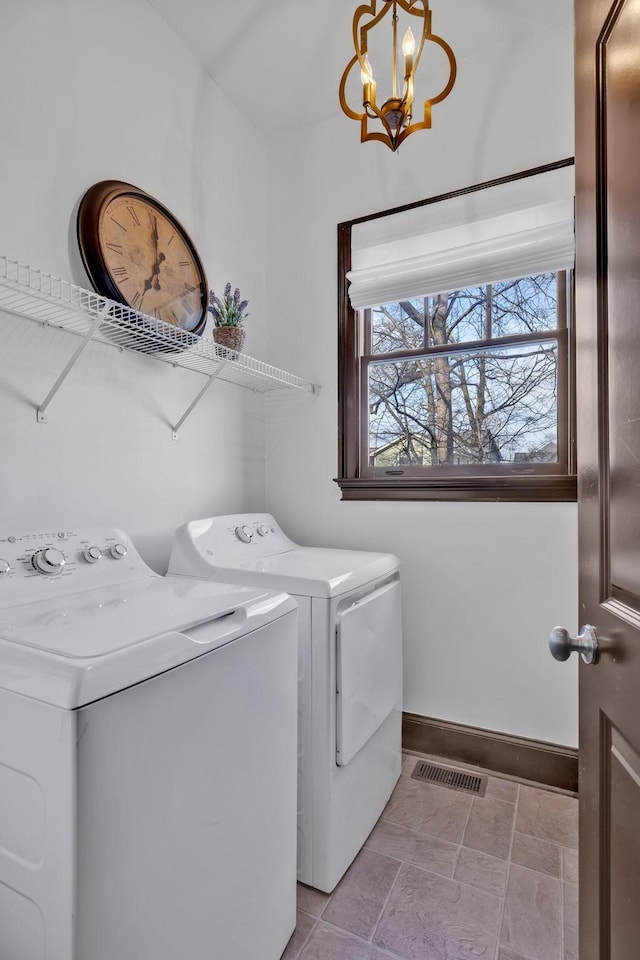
pixel 562 644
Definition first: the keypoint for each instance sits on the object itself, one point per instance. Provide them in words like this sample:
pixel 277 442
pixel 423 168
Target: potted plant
pixel 229 313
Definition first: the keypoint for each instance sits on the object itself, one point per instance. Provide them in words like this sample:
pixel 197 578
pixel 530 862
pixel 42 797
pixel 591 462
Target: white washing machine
pixel 147 758
pixel 349 674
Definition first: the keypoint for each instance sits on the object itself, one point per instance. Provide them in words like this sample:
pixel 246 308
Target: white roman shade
pixel 512 230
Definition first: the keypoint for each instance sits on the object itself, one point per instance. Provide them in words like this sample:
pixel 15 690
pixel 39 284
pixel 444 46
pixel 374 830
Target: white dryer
pixel 350 673
pixel 147 758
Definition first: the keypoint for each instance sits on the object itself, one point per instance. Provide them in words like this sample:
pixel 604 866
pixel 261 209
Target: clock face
pixel 136 252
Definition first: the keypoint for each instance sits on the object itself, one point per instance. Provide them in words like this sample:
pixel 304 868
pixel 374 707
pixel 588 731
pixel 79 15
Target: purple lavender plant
pixel 228 310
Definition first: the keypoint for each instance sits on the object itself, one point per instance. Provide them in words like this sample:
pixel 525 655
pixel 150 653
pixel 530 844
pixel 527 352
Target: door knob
pixel 562 644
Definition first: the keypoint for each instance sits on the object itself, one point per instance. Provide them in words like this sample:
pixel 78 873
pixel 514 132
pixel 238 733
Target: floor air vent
pixel 444 777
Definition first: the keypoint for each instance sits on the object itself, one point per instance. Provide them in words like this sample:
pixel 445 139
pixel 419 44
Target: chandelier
pixel 393 118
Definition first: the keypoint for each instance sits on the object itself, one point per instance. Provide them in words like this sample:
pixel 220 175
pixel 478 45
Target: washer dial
pixel 262 530
pixel 92 554
pixel 48 561
pixel 244 533
pixel 5 568
pixel 118 551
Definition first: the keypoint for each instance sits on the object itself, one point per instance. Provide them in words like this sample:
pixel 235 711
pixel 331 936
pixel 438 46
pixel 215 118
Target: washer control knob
pixel 244 533
pixel 92 554
pixel 118 551
pixel 48 561
pixel 262 530
pixel 5 568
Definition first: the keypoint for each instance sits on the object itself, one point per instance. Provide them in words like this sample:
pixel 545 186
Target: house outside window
pixel 464 394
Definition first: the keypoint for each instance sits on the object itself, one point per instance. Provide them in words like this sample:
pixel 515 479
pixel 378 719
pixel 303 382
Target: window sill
pixel 530 488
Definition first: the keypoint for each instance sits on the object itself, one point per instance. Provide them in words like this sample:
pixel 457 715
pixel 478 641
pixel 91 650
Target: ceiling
pixel 280 61
pixel 273 58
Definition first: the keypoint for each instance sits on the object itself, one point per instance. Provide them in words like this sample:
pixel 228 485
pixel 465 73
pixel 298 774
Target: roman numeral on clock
pixel 136 299
pixel 116 247
pixel 134 216
pixel 120 273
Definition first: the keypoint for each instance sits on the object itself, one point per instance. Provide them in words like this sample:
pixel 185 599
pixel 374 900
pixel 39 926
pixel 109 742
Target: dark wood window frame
pixel 513 482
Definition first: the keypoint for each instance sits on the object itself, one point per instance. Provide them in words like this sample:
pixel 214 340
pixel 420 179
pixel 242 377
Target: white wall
pixel 483 583
pixel 102 90
pixel 105 90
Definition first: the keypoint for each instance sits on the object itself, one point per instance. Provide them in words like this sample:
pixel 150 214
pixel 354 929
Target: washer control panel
pixel 235 540
pixel 251 530
pixel 35 565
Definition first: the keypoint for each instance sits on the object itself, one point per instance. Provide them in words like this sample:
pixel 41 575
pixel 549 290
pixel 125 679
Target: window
pixel 457 395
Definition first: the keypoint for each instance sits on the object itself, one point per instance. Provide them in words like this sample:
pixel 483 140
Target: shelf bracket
pixel 192 406
pixel 86 340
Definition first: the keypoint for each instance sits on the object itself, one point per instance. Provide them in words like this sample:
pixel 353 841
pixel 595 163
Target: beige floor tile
pixel 549 816
pixel 569 865
pixel 408 763
pixel 490 826
pixel 570 941
pixel 532 921
pixel 504 954
pixel 304 926
pixel 482 871
pixel 502 789
pixel 426 808
pixel 421 849
pixel 357 901
pixel 327 943
pixel 430 918
pixel 537 854
pixel 414 893
pixel 312 901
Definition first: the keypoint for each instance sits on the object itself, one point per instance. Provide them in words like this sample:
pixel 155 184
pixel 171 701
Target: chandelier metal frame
pixel 395 114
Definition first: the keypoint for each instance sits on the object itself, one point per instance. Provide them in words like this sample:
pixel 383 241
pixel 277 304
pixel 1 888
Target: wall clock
pixel 137 253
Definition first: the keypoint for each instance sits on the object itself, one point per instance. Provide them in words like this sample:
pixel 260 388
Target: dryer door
pixel 368 668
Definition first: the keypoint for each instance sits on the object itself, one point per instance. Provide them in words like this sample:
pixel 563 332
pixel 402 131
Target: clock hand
pixel 159 259
pixel 156 265
pixel 153 280
pixel 147 287
pixel 155 238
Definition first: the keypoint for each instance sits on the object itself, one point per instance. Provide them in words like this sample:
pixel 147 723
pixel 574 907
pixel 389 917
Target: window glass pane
pixel 461 316
pixel 494 405
pixel 525 306
pixel 399 326
pixel 508 308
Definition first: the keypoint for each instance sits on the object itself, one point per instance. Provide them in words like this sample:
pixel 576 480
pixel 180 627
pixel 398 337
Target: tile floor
pixel 448 876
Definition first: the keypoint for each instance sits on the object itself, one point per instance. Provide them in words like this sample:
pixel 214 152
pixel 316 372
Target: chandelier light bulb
pixel 368 85
pixel 409 43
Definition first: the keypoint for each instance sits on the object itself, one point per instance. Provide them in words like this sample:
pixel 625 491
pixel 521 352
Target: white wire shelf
pixel 31 293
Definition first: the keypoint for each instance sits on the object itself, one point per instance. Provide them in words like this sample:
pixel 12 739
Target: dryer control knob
pixel 118 551
pixel 5 568
pixel 48 561
pixel 244 533
pixel 262 530
pixel 92 554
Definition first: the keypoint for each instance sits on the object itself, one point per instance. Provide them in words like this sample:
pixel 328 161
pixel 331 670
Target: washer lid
pixel 305 571
pixel 77 648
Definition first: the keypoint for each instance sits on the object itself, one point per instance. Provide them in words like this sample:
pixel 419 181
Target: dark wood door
pixel 608 387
